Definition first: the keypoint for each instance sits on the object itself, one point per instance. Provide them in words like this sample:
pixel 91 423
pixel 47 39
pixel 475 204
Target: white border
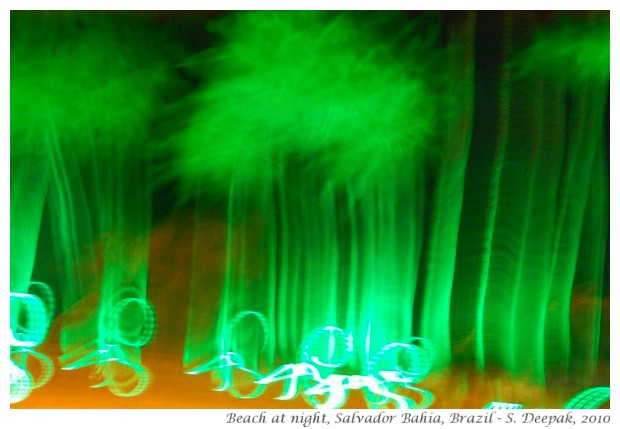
pixel 211 418
pixel 311 5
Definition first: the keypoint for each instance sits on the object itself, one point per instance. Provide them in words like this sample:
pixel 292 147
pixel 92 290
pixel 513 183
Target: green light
pixel 306 93
pixel 418 359
pixel 240 350
pixel 133 322
pixel 291 374
pixel 422 193
pixel 310 81
pixel 21 383
pixel 589 399
pixel 84 90
pixel 117 365
pixel 117 370
pixel 502 406
pixel 46 365
pixel 225 365
pixel 332 391
pixel 33 329
pixel 31 317
pixel 339 347
pixel 240 336
pixel 578 51
pixel 336 388
pixel 327 349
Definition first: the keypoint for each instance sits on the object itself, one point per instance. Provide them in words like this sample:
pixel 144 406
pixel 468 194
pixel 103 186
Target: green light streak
pixel 27 177
pixel 589 399
pixel 558 77
pixel 526 256
pixel 84 88
pixel 266 130
pixel 488 299
pixel 447 200
pixel 587 297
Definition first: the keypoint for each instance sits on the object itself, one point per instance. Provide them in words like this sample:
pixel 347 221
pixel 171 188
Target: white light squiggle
pixel 314 378
pixel 28 330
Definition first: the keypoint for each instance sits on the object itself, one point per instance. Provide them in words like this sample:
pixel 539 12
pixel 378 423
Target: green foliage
pixel 576 50
pixel 82 77
pixel 330 89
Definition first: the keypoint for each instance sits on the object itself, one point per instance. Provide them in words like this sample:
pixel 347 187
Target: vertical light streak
pixel 447 199
pixel 486 304
pixel 300 137
pixel 585 126
pixel 28 177
pixel 587 297
pixel 572 58
pixel 539 134
pixel 86 85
